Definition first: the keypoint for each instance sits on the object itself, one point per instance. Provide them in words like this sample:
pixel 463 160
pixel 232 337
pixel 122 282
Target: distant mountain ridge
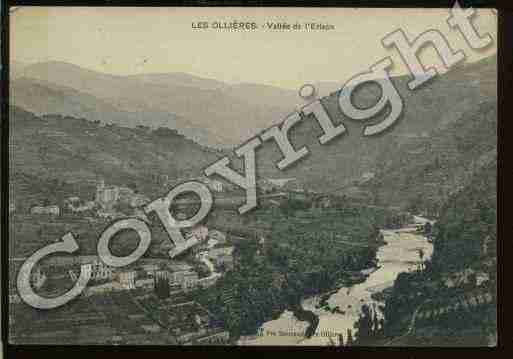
pixel 181 79
pixel 42 98
pixel 201 103
pixel 212 111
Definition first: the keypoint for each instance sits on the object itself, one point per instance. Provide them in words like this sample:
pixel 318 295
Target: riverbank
pixel 338 310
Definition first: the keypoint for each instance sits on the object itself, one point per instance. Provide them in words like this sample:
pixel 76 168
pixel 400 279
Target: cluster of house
pixel 213 250
pixel 142 275
pixel 107 197
pixel 76 205
pixel 51 210
pixel 213 246
pixel 180 275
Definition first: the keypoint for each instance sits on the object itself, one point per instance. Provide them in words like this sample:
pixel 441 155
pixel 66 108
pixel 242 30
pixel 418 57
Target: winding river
pixel 400 254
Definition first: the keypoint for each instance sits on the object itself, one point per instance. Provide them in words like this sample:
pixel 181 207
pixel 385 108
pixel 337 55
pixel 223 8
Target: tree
pixel 162 287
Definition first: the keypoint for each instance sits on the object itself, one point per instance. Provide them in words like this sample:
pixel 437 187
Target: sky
pixel 125 41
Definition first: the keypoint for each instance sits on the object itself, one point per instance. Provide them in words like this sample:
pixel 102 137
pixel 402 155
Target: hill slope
pixel 61 150
pixel 212 112
pixel 423 173
pixel 466 220
pixel 43 98
pixel 201 106
pixel 452 119
pixel 465 240
pixel 422 169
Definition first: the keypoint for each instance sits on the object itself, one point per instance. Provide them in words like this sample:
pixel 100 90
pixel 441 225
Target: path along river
pixel 400 254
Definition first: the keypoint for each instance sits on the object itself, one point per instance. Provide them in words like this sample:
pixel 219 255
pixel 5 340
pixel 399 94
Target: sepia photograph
pixel 252 176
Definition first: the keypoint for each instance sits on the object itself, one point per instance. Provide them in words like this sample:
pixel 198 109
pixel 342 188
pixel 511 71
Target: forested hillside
pixel 452 300
pixel 422 174
pixel 467 221
pixel 55 156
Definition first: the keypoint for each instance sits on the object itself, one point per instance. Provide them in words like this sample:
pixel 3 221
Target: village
pixel 159 290
pixel 155 299
pixel 166 282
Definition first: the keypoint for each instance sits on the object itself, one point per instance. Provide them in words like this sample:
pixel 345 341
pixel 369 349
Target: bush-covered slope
pixel 422 174
pixel 56 152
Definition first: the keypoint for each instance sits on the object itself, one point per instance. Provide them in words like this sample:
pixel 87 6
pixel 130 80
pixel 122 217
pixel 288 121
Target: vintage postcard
pixel 253 176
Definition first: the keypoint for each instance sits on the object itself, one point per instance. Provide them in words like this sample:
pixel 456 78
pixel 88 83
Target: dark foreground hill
pixel 467 229
pixel 452 300
pixel 422 174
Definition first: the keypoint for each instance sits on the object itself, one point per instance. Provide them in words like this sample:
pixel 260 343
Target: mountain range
pixel 451 120
pixel 210 112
